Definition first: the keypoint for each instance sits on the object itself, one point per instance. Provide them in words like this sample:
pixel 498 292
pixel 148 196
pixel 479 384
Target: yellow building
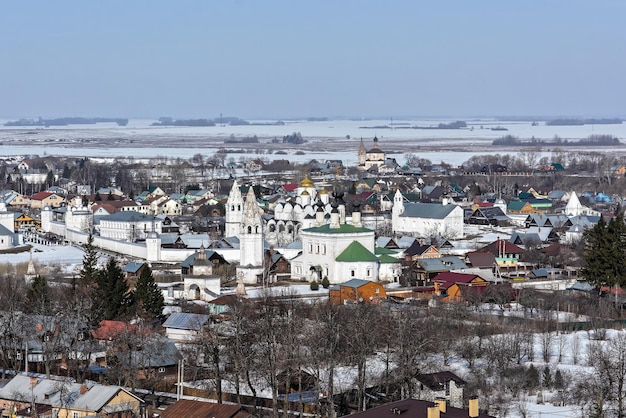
pixel 65 399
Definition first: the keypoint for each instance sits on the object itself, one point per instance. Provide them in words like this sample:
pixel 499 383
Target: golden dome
pixel 307 182
pixel 305 193
pixel 323 191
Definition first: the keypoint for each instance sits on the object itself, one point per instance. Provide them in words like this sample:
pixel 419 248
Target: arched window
pixel 232 208
pixel 249 229
pixel 238 207
pixel 281 228
pixel 272 228
pixel 256 229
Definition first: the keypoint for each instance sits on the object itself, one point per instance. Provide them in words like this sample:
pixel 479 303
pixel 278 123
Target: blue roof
pixel 133 267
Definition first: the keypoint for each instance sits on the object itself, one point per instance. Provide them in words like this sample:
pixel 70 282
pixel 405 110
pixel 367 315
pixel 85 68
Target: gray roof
pixel 128 216
pixel 445 263
pixel 405 241
pixel 427 210
pixel 60 392
pixel 5 232
pixel 355 283
pixel 189 321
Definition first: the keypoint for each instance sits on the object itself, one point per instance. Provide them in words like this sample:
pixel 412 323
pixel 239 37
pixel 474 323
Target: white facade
pixel 427 219
pixel 250 241
pixel 128 226
pixel 322 245
pixel 234 211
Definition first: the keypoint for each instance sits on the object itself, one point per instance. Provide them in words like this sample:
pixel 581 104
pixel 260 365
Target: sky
pixel 289 59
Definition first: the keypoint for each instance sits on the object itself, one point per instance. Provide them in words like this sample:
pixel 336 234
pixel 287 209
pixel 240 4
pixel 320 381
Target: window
pixel 369 273
pixel 323 248
pixel 74 414
pixel 352 273
pixel 161 369
pixel 311 248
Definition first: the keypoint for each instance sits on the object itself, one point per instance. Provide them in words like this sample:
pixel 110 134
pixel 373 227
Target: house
pixel 413 408
pixel 182 327
pixel 43 199
pixel 67 399
pixel 188 408
pixel 507 254
pixel 441 385
pixel 23 221
pixel 450 285
pixel 133 270
pixel 148 353
pixel 519 207
pixel 278 267
pixel 356 291
pixel 493 215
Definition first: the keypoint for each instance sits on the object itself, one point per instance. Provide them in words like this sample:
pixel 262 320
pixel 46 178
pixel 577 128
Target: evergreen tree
pixel 559 382
pixel 38 296
pixel 89 270
pixel 547 378
pixel 147 295
pixel 110 196
pixel 325 282
pixel 604 256
pixel 111 299
pixel 531 379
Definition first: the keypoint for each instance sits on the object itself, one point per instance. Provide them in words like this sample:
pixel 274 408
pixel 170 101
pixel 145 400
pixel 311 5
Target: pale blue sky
pixel 290 58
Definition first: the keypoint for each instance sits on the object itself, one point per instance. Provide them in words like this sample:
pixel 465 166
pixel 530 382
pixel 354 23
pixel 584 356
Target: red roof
pixel 448 278
pixel 502 245
pixel 111 329
pixel 290 187
pixel 41 195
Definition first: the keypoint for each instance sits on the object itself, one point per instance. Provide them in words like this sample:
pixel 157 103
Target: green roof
pixel 387 259
pixel 343 229
pixel 515 205
pixel 356 252
pixel 383 250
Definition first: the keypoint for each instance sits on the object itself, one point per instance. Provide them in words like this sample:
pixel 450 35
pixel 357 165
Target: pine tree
pixel 38 296
pixel 559 382
pixel 111 299
pixel 89 270
pixel 147 295
pixel 531 379
pixel 604 257
pixel 547 378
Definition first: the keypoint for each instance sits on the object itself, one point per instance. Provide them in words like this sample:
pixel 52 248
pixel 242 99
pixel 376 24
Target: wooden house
pixel 450 285
pixel 357 291
pixel 65 399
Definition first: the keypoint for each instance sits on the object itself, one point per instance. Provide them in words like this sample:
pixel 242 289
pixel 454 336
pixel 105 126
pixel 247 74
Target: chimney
pixel 473 407
pixel 433 412
pixel 83 389
pixel 441 402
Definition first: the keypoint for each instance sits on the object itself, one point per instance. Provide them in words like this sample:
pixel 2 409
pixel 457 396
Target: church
pixel 374 158
pixel 337 250
pixel 243 221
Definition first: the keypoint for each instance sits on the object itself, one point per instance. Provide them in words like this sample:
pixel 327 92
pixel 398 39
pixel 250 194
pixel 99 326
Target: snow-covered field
pixel 333 139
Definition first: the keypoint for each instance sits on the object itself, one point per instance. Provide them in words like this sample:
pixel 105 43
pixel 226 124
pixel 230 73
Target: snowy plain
pixel 332 139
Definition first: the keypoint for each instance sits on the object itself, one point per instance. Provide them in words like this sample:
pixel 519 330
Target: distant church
pixel 375 157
